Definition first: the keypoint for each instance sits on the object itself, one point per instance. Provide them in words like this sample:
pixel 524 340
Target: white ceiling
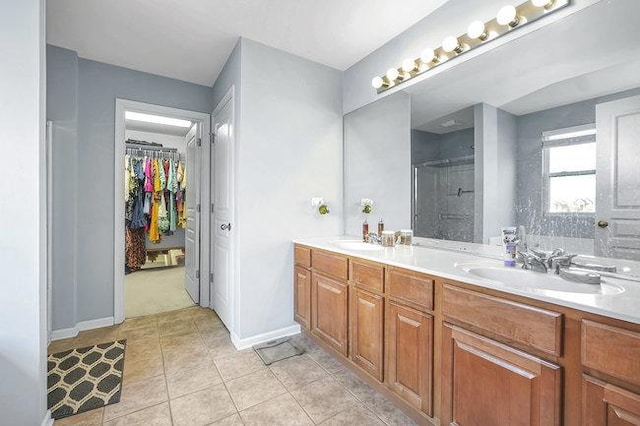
pixel 163 129
pixel 590 53
pixel 190 40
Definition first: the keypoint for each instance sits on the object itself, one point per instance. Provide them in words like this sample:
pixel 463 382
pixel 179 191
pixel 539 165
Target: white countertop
pixel 449 263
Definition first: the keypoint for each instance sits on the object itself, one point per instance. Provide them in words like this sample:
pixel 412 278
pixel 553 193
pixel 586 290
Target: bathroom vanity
pixel 427 328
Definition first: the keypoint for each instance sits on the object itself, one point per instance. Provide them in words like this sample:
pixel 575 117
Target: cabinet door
pixel 302 296
pixel 487 383
pixel 604 404
pixel 366 317
pixel 329 311
pixel 410 353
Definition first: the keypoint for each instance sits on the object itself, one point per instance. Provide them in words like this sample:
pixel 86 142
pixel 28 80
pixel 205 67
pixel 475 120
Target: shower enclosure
pixel 443 200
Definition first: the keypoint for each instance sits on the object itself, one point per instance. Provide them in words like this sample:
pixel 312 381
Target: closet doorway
pixel 159 193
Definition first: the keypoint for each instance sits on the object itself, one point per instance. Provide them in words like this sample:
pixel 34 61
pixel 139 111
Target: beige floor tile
pixel 61 346
pixel 254 388
pixel 183 359
pixel 304 342
pixel 198 312
pixel 201 376
pixel 140 322
pixel 297 371
pixel 229 421
pixel 136 396
pixel 180 314
pixel 88 418
pixel 282 410
pixel 323 399
pixel 177 326
pixel 158 415
pixel 239 364
pixel 219 347
pixel 355 416
pixel 326 361
pixel 140 334
pixel 98 335
pixel 388 412
pixel 144 366
pixel 358 387
pixel 181 341
pixel 202 407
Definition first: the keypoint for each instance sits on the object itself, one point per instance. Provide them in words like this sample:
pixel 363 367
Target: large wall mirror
pixel 542 133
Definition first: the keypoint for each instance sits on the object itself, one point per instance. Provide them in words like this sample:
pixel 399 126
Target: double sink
pixel 514 277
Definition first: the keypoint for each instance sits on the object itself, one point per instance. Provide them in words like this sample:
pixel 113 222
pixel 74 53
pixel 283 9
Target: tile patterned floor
pixel 182 369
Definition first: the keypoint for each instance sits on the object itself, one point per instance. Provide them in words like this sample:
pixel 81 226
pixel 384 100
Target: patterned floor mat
pixel 82 379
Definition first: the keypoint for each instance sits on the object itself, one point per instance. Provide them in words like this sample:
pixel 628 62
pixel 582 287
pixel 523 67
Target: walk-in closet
pixel 155 191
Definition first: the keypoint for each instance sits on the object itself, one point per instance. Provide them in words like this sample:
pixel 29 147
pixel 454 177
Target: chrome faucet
pixel 532 261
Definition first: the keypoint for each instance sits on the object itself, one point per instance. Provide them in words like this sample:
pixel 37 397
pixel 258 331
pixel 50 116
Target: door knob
pixel 225 227
pixel 603 223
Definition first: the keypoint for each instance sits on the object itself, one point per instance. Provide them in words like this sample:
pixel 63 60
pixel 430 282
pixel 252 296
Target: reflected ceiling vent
pixel 451 123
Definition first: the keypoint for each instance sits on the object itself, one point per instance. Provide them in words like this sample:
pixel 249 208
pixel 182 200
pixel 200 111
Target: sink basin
pixel 357 245
pixel 537 282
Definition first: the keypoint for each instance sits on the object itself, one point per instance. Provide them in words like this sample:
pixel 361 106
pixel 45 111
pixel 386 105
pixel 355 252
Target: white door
pixel 192 231
pixel 222 212
pixel 618 179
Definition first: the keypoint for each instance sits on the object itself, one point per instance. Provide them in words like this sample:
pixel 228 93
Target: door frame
pixel 228 98
pixel 122 105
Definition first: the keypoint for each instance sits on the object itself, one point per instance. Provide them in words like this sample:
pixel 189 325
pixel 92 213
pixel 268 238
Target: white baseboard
pixel 264 337
pixel 66 333
pixel 47 421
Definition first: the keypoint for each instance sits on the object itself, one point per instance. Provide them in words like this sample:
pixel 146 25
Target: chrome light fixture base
pixel 526 13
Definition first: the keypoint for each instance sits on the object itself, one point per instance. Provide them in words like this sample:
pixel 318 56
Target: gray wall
pixel 62 110
pixel 427 146
pixel 495 171
pixel 529 167
pixel 22 292
pixel 290 150
pixel 98 85
pixel 377 163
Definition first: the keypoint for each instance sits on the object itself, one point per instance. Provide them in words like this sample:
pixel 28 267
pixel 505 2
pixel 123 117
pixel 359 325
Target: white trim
pixel 66 333
pixel 248 342
pixel 48 420
pixel 123 105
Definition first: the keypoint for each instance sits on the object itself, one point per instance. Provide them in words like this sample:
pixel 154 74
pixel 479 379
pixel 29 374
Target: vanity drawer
pixel 366 274
pixel 413 289
pixel 331 264
pixel 516 323
pixel 302 256
pixel 611 350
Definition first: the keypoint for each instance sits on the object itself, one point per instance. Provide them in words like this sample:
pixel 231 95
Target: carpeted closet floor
pixel 151 291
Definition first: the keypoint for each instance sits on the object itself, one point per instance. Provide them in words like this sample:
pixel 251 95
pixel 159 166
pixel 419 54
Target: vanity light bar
pixel 508 18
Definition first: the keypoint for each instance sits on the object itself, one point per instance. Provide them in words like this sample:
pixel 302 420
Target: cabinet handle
pixel 603 223
pixel 225 227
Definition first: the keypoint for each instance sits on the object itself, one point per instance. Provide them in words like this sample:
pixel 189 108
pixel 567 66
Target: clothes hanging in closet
pixel 154 190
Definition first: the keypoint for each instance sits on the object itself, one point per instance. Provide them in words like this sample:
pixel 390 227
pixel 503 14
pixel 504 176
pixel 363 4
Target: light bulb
pixel 542 3
pixel 507 16
pixel 450 44
pixel 408 65
pixel 428 55
pixel 476 30
pixel 392 74
pixel 377 82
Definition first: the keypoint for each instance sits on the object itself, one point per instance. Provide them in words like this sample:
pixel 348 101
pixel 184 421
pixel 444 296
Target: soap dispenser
pixel 365 231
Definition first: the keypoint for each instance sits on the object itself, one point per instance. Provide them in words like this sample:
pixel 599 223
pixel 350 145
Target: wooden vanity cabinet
pixel 329 311
pixel 366 317
pixel 302 286
pixel 502 386
pixel 614 352
pixel 409 367
pixel 302 296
